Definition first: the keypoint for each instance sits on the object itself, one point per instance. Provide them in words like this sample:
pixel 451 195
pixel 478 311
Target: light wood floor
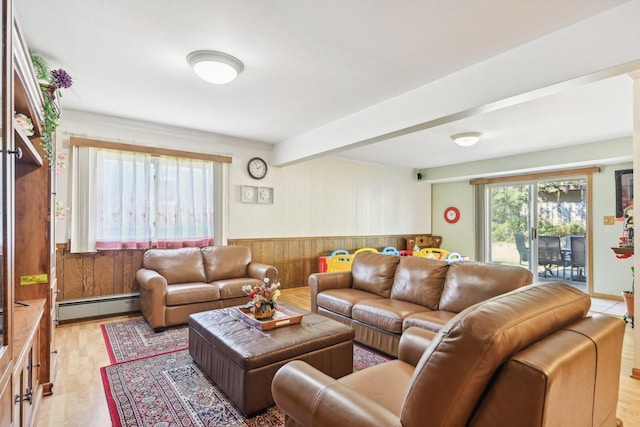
pixel 79 400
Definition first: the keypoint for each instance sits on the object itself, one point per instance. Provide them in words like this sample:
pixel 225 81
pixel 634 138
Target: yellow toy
pixel 433 253
pixel 342 260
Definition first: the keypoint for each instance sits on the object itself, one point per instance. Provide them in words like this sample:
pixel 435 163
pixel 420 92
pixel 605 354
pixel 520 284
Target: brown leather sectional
pixel 177 282
pixel 384 295
pixel 528 358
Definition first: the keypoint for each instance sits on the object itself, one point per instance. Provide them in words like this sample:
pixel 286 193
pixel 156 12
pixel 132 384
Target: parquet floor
pixel 79 399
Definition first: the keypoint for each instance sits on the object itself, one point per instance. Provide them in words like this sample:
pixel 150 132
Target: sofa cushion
pixel 419 280
pixel 430 320
pixel 226 262
pixel 374 272
pixel 341 301
pixel 183 265
pixel 468 283
pixel 383 313
pixel 394 374
pixel 232 288
pixel 190 293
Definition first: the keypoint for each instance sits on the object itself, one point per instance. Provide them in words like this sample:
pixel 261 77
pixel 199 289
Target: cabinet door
pixel 6 402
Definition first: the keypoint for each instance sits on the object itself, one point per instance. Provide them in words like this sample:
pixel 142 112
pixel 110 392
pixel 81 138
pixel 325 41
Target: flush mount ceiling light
pixel 215 67
pixel 466 139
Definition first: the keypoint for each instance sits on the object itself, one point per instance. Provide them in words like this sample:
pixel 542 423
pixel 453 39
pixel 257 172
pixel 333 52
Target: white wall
pixel 329 197
pixel 324 197
pixel 458 237
pixel 610 274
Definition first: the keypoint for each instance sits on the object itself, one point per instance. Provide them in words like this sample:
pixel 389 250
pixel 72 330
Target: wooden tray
pixel 283 317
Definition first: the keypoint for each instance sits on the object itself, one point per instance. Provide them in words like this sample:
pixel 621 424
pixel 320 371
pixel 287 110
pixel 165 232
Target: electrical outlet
pixel 608 220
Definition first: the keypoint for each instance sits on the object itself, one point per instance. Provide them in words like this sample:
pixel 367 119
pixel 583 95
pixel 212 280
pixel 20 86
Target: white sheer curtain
pixel 184 215
pixel 131 200
pixel 82 230
pixel 124 194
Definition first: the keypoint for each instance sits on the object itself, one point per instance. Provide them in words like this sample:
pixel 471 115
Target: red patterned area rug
pixel 167 388
pixel 170 390
pixel 133 339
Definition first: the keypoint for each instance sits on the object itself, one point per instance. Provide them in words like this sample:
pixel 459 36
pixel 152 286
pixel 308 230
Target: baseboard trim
pixel 101 306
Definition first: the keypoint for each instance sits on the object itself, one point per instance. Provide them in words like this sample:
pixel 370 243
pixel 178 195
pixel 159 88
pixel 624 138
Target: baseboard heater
pixel 99 306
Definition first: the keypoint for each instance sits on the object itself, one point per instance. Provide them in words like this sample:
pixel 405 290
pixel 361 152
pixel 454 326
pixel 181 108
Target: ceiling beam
pixel 589 50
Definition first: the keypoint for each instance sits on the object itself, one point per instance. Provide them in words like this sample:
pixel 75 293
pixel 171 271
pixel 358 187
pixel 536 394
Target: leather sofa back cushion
pixel 454 371
pixel 420 281
pixel 374 272
pixel 469 283
pixel 182 265
pixel 226 262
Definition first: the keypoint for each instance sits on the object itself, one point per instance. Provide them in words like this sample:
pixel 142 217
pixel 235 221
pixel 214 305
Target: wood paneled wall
pixel 297 258
pixel 100 274
pixel 107 273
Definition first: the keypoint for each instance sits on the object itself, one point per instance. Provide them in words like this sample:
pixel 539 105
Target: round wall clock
pixel 451 215
pixel 257 168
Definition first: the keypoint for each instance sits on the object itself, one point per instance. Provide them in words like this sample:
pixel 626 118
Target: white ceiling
pixel 314 62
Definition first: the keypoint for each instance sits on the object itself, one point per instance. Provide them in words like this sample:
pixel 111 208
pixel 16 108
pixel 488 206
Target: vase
pixel 261 314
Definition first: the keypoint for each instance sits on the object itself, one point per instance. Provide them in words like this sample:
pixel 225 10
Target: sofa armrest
pixel 319 282
pixel 257 270
pixel 153 292
pixel 413 343
pixel 313 398
pixel 151 281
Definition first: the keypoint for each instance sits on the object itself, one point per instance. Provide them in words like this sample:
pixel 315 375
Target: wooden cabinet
pixel 28 362
pixel 28 284
pixel 34 263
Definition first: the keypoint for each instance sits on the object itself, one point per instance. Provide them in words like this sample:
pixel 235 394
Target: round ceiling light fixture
pixel 215 67
pixel 466 139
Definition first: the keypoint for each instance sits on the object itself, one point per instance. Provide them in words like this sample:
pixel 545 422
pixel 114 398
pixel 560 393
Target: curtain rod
pixel 83 141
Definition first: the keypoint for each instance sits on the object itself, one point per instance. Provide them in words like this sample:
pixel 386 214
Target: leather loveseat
pixel 383 295
pixel 177 282
pixel 527 358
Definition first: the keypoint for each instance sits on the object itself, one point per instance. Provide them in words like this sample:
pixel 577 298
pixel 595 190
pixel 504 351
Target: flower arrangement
pixel 262 297
pixel 61 79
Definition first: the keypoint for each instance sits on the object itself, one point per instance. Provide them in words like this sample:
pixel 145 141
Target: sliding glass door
pixel 542 225
pixel 509 227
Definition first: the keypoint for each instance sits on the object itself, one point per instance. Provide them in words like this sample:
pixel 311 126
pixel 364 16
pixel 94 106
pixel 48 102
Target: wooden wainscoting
pixel 107 273
pixel 99 274
pixel 297 258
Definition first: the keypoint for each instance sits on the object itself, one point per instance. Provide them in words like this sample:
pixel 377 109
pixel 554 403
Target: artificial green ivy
pixel 49 127
pixel 50 113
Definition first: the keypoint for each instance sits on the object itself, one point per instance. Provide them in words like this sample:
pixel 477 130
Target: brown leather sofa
pixel 384 295
pixel 177 282
pixel 527 358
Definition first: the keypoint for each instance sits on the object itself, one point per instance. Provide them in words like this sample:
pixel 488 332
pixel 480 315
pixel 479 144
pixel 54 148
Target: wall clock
pixel 451 215
pixel 257 168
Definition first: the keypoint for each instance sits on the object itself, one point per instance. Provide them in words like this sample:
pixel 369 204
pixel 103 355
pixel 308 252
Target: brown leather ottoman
pixel 242 360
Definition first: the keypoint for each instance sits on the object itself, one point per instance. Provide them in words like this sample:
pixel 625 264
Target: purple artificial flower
pixel 61 78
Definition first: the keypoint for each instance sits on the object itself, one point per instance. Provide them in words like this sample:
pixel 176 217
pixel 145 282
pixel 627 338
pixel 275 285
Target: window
pixel 145 201
pixel 136 200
